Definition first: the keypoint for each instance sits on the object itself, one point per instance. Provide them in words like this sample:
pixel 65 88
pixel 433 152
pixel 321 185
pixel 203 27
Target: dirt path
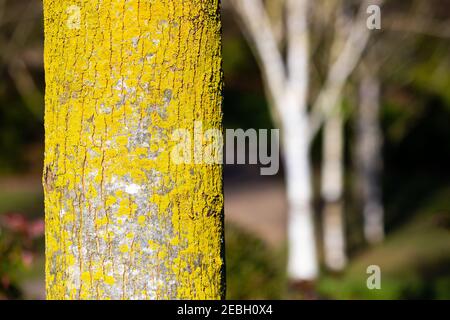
pixel 259 208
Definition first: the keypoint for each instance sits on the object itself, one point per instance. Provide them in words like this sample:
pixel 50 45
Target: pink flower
pixel 36 228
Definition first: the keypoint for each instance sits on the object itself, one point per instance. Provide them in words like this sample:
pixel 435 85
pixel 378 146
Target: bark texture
pixel 122 220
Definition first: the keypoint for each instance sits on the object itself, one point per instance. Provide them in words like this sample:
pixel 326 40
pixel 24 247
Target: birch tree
pixel 350 40
pixel 122 220
pixel 287 83
pixel 368 152
pixel 369 137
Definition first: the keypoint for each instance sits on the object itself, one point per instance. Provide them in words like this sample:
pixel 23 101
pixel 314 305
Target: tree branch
pixel 257 24
pixel 342 68
pixel 298 51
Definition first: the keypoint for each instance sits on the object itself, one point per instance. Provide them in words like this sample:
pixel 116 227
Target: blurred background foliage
pixel 415 258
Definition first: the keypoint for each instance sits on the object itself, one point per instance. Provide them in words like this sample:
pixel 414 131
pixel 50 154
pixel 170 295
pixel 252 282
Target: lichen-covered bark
pixel 122 220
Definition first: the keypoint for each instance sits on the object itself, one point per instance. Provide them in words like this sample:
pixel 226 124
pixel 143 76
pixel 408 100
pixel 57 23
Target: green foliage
pixel 19 130
pixel 30 202
pixel 10 266
pixel 20 238
pixel 246 110
pixel 236 56
pixel 414 261
pixel 254 271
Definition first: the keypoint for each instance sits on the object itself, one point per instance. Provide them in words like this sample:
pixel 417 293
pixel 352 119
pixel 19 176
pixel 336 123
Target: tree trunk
pixel 369 161
pixel 302 258
pixel 302 261
pixel 122 220
pixel 332 193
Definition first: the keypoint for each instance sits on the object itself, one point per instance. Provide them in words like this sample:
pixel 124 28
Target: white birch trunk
pixel 302 262
pixel 332 192
pixel 302 257
pixel 287 87
pixel 369 144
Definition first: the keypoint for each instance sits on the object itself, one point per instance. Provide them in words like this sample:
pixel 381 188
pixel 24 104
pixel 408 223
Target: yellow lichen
pixel 124 248
pixel 121 77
